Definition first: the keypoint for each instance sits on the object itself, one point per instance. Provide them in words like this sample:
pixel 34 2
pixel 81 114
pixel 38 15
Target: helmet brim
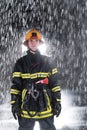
pixel 25 43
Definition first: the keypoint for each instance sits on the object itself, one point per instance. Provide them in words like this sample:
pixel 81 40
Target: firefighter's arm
pixel 15 90
pixel 56 91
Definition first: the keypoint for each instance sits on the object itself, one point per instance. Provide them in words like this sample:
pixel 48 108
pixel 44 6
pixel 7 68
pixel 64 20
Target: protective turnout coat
pixel 34 83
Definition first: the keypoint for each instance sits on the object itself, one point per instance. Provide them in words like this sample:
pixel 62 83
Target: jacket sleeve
pixel 16 87
pixel 53 83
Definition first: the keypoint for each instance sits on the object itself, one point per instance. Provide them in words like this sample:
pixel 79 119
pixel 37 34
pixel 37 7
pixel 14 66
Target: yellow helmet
pixel 33 34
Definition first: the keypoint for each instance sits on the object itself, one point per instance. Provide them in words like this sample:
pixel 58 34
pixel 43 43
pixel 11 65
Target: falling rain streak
pixel 63 24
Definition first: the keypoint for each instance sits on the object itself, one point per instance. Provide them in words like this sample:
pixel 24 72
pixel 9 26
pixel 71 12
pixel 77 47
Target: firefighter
pixel 35 92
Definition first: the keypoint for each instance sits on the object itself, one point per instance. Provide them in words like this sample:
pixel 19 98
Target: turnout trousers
pixel 44 124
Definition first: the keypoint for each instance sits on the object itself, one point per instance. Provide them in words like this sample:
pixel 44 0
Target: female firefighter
pixel 35 93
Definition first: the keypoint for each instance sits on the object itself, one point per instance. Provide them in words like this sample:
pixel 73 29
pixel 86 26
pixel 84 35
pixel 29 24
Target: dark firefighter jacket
pixel 30 69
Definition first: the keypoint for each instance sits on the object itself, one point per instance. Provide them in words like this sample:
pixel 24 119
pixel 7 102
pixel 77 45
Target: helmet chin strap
pixel 32 51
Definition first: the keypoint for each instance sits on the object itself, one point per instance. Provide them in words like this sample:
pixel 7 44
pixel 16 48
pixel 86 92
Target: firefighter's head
pixel 33 39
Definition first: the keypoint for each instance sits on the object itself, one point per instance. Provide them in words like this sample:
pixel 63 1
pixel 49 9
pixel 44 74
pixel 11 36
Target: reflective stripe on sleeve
pixel 55 89
pixel 14 91
pixel 58 100
pixel 16 74
pixel 54 71
pixel 12 102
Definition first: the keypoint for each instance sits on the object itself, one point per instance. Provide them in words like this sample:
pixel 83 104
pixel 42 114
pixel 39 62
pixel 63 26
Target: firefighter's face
pixel 33 44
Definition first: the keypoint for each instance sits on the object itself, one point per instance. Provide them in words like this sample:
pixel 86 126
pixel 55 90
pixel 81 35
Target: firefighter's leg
pixel 47 123
pixel 26 124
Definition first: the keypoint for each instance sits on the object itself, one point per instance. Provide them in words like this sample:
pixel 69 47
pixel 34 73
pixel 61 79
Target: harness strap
pixel 32 115
pixel 34 93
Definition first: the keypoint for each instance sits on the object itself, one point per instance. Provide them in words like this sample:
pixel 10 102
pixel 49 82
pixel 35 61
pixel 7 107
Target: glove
pixel 16 107
pixel 16 111
pixel 57 109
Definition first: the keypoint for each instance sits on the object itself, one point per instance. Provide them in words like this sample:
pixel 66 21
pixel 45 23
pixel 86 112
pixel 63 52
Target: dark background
pixel 63 24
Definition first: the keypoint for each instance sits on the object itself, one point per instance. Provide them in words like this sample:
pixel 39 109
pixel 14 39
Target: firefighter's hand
pixel 16 111
pixel 57 109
